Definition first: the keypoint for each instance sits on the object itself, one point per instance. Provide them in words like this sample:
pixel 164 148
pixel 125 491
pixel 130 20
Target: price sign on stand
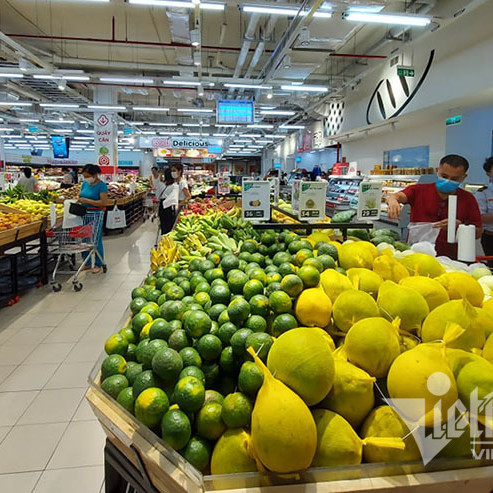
pixel 274 188
pixel 295 195
pixel 223 185
pixel 256 200
pixel 312 198
pixel 369 201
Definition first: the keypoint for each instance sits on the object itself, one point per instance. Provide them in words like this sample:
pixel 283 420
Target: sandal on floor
pixel 96 270
pixel 87 267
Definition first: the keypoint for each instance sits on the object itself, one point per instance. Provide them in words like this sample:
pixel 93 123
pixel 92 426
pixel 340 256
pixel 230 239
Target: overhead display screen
pixel 231 111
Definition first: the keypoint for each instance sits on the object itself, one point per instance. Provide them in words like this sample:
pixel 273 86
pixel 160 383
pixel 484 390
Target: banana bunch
pixel 223 242
pixel 166 252
pixel 279 217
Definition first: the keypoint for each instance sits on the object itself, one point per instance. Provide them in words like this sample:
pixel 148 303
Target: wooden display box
pixel 21 232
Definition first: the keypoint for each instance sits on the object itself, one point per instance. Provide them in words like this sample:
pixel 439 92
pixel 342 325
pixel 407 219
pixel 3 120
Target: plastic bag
pixel 70 220
pixel 419 232
pixel 116 219
pixel 424 247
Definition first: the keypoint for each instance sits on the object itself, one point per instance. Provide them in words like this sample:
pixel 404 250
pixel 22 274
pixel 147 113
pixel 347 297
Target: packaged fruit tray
pixel 168 471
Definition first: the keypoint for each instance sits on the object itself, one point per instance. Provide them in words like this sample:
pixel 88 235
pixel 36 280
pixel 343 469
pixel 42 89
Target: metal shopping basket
pixel 150 206
pixel 68 242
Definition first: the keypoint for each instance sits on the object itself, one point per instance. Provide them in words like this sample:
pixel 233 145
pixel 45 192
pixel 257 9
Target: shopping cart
pixel 150 206
pixel 68 242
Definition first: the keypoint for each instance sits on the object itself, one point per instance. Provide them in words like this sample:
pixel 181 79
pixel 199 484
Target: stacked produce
pixel 37 204
pixel 10 220
pixel 231 357
pixel 207 206
pixel 69 193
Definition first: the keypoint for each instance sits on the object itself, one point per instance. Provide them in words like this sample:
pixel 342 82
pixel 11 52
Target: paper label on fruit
pixel 369 201
pixel 256 200
pixel 312 199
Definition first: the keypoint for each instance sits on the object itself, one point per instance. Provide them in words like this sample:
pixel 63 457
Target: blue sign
pixel 215 149
pixel 33 129
pixel 128 131
pixel 231 111
pixel 277 165
pixel 298 159
pixel 125 163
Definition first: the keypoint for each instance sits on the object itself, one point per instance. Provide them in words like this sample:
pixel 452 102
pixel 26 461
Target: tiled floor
pixel 50 440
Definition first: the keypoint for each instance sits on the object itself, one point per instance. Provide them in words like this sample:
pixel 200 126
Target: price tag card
pixel 369 201
pixel 52 215
pixel 312 199
pixel 274 189
pixel 256 200
pixel 295 195
pixel 223 185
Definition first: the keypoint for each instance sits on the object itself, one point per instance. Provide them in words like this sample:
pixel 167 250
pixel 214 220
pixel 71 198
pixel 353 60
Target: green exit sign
pixel 405 71
pixel 453 120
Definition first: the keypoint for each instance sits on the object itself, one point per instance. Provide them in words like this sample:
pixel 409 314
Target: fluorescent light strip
pixel 220 135
pixel 180 83
pixel 76 78
pixel 170 133
pixel 395 19
pixel 47 77
pixel 266 9
pixel 59 105
pixel 260 125
pixel 59 121
pixel 294 127
pixel 14 103
pixel 303 88
pixel 9 75
pixel 154 124
pixel 106 107
pixel 124 80
pixel 250 135
pixel 62 131
pixel 28 120
pixel 277 112
pixel 177 3
pixel 150 108
pixel 246 86
pixel 194 110
pixel 366 8
pixel 78 137
pixel 148 133
pixel 84 131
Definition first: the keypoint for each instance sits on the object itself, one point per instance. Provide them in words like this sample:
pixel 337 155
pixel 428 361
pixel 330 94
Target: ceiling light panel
pixel 127 80
pixel 150 108
pixel 394 19
pixel 235 85
pixel 179 4
pixel 291 12
pixel 277 112
pixel 303 88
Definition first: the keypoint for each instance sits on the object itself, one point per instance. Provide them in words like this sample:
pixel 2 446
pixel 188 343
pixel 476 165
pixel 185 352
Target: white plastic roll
pixel 452 218
pixel 466 238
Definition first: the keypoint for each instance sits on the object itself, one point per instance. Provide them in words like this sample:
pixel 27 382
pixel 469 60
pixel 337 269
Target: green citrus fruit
pixel 237 410
pixel 150 406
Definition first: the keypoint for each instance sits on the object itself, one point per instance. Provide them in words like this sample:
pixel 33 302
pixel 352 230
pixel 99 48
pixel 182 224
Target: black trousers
pixel 487 242
pixel 166 218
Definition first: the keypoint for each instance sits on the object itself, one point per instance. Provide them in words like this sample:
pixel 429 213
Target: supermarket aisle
pixel 50 441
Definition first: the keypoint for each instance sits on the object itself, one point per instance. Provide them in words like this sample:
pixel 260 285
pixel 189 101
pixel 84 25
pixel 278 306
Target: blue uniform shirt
pixel 93 192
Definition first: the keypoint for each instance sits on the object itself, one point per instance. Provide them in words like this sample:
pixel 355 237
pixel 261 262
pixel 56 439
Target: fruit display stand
pixel 23 258
pixel 155 467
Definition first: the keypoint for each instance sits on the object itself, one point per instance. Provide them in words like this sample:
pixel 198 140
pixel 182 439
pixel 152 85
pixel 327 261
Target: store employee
pixel 485 202
pixel 429 202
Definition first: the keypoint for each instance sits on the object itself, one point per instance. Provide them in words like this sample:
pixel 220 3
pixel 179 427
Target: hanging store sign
pixel 105 141
pixel 179 143
pixel 182 153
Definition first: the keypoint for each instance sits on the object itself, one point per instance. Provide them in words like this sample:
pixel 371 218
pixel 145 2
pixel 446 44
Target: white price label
pixel 223 185
pixel 369 201
pixel 274 188
pixel 256 200
pixel 295 195
pixel 312 199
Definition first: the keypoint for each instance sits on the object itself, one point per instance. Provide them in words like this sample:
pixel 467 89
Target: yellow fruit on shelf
pixel 284 435
pixel 431 290
pixel 460 285
pixel 334 283
pixel 231 453
pixel 313 308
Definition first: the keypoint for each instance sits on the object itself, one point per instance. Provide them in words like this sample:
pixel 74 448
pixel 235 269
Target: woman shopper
pixel 167 193
pixel 94 194
pixel 184 193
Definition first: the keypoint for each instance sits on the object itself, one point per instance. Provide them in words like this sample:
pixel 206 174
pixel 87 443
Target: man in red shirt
pixel 429 202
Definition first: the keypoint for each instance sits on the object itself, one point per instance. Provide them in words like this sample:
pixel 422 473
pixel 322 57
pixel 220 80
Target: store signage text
pixel 453 120
pixel 403 71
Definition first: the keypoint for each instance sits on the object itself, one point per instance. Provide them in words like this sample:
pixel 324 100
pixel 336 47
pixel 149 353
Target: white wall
pixel 325 159
pixel 369 151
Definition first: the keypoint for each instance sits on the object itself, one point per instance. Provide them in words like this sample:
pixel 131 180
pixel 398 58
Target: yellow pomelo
pixel 302 359
pixel 334 283
pixel 357 254
pixel 422 264
pixel 283 431
pixel 368 280
pixel 352 393
pixel 231 453
pixel 352 306
pixel 458 358
pixel 430 289
pixel 313 308
pixel 408 342
pixel 485 320
pixel 383 421
pixel 317 237
pixel 460 285
pixel 339 445
pixel 406 303
pixel 488 350
pixel 372 344
pixel 423 374
pixel 326 335
pixel 488 306
pixel 460 312
pixel 389 269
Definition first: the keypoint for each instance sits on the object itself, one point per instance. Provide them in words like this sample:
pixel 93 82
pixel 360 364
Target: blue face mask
pixel 446 186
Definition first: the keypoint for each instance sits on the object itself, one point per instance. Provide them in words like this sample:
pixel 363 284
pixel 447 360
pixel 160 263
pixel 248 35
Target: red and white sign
pixel 105 140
